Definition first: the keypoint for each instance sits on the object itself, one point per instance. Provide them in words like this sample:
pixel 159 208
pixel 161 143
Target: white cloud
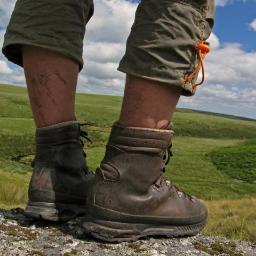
pixel 230 65
pixel 104 46
pixel 253 25
pixel 2 32
pixel 230 71
pixel 112 21
pixel 214 41
pixel 228 94
pixel 222 99
pixel 4 69
pixel 222 2
pixel 11 75
pixel 102 70
pixel 8 73
pixel 103 52
pixel 230 84
pixel 6 7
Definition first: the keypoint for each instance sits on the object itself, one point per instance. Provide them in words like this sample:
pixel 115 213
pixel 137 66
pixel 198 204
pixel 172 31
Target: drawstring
pixel 202 50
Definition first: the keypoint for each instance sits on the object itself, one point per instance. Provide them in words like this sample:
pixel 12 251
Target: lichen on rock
pixel 23 236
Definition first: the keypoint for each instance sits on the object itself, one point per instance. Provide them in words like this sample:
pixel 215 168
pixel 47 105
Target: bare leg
pixel 51 81
pixel 148 103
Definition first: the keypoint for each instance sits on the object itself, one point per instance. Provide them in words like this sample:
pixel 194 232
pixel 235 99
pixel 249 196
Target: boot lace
pixel 167 157
pixel 84 135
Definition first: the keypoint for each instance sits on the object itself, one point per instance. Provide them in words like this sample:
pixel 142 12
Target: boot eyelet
pixel 156 187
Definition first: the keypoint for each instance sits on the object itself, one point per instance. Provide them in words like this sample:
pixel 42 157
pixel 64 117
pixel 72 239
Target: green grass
pixel 238 162
pixel 192 169
pixel 14 104
pixel 13 189
pixel 214 155
pixel 235 219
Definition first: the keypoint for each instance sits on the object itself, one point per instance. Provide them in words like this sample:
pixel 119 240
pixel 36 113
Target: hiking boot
pixel 60 178
pixel 131 199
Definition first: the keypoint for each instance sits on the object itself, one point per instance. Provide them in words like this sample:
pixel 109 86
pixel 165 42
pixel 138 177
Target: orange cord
pixel 202 50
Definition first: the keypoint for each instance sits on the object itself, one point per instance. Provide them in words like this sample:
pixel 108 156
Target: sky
pixel 230 86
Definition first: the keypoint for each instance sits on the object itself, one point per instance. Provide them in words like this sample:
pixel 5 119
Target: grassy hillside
pixel 214 155
pixel 14 104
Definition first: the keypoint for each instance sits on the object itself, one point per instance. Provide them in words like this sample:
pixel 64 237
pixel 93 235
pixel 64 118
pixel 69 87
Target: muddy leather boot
pixel 131 199
pixel 60 178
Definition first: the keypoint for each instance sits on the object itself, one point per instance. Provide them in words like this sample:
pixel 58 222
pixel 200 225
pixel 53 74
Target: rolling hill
pixel 214 155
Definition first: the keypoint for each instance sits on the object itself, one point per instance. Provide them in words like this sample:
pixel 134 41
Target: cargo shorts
pixel 162 45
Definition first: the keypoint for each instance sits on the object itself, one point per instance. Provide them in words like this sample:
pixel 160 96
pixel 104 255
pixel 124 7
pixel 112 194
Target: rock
pixel 22 236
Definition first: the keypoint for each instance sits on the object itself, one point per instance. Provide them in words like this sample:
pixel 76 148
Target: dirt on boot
pixel 59 183
pixel 130 198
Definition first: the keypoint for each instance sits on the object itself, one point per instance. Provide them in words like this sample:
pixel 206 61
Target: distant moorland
pixel 214 156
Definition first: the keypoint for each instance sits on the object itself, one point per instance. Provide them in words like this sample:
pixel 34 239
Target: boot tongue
pixel 137 154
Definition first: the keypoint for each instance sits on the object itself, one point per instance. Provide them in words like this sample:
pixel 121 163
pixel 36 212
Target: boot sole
pixel 53 212
pixel 110 231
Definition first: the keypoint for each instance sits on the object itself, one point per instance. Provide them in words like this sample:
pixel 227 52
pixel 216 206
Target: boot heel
pixel 53 212
pixel 112 231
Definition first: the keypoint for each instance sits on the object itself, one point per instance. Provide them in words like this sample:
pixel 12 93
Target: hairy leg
pixel 51 82
pixel 148 103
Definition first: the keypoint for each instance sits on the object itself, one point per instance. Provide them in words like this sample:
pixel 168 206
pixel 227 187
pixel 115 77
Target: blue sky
pixel 233 61
pixel 232 23
pixel 230 85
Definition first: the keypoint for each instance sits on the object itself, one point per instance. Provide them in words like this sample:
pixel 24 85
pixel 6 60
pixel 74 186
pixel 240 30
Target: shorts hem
pixel 13 52
pixel 168 81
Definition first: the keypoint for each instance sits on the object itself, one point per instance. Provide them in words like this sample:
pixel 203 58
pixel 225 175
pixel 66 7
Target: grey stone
pixel 22 236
